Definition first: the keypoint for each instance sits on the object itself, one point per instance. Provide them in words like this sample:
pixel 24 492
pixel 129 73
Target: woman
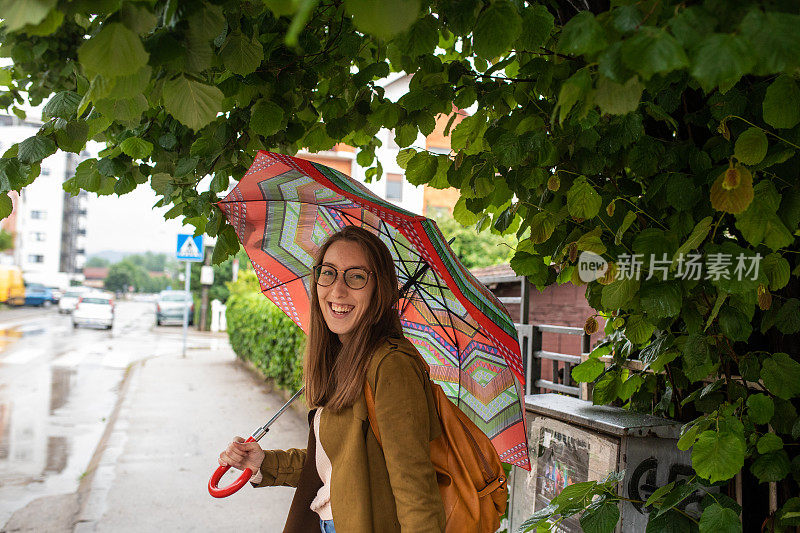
pixel 344 478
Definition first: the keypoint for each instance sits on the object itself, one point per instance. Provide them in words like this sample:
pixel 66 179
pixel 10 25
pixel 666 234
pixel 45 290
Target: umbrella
pixel 283 210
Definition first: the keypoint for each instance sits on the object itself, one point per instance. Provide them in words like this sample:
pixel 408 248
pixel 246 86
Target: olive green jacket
pixel 372 489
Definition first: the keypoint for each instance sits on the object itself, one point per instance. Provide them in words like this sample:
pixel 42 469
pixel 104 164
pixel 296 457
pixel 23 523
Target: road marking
pixel 21 357
pixel 70 359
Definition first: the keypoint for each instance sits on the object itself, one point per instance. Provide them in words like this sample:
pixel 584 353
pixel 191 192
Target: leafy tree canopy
pixel 663 128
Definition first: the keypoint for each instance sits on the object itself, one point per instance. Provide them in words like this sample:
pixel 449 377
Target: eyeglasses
pixel 354 277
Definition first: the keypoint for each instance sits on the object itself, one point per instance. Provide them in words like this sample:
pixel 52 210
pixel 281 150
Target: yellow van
pixel 12 288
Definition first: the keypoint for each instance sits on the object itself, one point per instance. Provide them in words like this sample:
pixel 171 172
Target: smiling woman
pixel 344 477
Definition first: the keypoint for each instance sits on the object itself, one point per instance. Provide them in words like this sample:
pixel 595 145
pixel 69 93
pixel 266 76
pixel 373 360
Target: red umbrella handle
pixel 223 492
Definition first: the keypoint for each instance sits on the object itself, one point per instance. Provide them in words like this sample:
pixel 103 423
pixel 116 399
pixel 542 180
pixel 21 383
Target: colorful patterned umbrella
pixel 284 208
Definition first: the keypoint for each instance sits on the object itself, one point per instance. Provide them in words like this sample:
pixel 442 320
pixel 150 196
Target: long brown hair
pixel 334 374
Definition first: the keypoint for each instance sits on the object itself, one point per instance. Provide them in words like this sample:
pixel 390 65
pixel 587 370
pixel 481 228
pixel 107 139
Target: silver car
pixel 170 306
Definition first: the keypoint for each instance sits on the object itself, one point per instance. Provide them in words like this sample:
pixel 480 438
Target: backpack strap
pixel 373 422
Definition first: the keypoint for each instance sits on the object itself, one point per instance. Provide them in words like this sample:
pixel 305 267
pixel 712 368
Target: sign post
pixel 189 249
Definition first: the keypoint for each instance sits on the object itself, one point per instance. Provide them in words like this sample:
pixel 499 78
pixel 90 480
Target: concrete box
pixel 572 440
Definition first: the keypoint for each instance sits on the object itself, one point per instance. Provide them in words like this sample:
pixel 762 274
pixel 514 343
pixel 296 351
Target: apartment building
pixel 49 225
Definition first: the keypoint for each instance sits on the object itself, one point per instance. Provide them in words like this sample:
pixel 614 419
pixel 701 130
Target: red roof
pixel 95 272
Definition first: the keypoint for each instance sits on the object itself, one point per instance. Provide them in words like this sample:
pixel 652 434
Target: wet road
pixel 58 385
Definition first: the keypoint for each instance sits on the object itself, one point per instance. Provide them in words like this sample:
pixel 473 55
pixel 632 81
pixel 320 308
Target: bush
pixel 261 333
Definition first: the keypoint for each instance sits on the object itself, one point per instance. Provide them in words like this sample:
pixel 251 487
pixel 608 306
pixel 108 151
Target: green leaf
pixel 497 28
pixel 616 98
pixel 760 408
pixel 123 110
pixel 698 235
pixel 34 149
pixel 383 18
pixel 192 103
pixel 18 13
pixel 525 264
pixel 136 148
pixel 781 375
pixel 772 40
pixel 717 456
pixel 718 519
pixel 538 23
pixel 777 270
pixel 697 359
pixel 421 168
pixel 734 324
pixel 63 104
pixel 73 136
pixel 572 90
pixel 87 177
pixel 542 226
pixel 13 174
pixel 114 51
pixel 617 294
pixel 661 300
pixel 6 205
pixel 751 146
pixel 773 466
pixel 588 370
pixel 207 22
pixel 653 51
pixel 600 519
pixel 464 216
pixel 720 60
pixel 240 54
pixel 638 330
pixel 582 200
pixel 787 318
pixel 769 442
pixel 404 156
pixel 760 222
pixel 125 184
pixel 266 118
pixel 606 389
pixel 131 85
pixel 510 150
pixel 781 105
pixel 583 34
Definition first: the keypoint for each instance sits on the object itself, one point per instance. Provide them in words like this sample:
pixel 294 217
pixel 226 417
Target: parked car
pixel 170 306
pixel 94 309
pixel 38 294
pixel 70 299
pixel 57 294
pixel 12 288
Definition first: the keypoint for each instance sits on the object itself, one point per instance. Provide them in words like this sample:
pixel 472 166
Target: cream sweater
pixel 322 503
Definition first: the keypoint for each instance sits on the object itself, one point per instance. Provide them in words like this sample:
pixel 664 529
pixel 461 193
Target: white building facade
pixel 50 225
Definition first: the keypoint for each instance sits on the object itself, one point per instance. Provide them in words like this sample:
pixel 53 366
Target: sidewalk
pixel 175 417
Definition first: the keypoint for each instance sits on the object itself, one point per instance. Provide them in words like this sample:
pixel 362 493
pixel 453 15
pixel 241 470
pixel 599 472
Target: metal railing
pixel 530 341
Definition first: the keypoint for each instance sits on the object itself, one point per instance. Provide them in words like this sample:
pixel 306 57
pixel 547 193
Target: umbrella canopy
pixel 285 208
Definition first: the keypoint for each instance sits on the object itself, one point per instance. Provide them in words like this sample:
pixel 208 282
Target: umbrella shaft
pixel 260 432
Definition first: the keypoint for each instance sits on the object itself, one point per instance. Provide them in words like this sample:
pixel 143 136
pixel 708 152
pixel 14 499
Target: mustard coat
pixel 372 490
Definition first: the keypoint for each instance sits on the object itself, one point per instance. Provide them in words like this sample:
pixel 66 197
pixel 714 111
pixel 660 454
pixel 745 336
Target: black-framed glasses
pixel 354 277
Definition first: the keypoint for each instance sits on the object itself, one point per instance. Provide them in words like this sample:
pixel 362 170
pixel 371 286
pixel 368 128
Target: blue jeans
pixel 326 526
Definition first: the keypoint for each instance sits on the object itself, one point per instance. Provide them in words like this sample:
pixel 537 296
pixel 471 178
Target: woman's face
pixel 344 308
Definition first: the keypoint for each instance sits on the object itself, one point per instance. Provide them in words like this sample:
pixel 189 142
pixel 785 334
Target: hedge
pixel 261 333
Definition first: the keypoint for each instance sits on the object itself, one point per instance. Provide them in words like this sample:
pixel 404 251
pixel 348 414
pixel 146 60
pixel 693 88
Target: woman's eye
pixel 357 276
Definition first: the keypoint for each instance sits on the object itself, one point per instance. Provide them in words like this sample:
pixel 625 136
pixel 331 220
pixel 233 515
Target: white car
pixel 94 309
pixel 69 300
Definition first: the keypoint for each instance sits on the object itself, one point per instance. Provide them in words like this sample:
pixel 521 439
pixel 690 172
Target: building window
pixel 394 187
pixel 45 171
pixel 38 215
pixel 35 258
pixel 38 236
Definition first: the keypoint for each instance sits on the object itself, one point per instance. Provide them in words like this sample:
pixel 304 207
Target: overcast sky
pixel 128 223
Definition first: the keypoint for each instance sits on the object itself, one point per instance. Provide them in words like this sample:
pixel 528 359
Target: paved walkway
pixel 175 417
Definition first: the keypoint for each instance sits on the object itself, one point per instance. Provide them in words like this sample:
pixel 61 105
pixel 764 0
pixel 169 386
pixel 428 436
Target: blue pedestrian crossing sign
pixel 190 248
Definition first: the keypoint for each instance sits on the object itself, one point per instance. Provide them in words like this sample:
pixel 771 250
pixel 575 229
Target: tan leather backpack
pixel 471 478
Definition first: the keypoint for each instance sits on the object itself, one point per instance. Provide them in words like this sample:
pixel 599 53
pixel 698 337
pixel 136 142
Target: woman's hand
pixel 240 454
